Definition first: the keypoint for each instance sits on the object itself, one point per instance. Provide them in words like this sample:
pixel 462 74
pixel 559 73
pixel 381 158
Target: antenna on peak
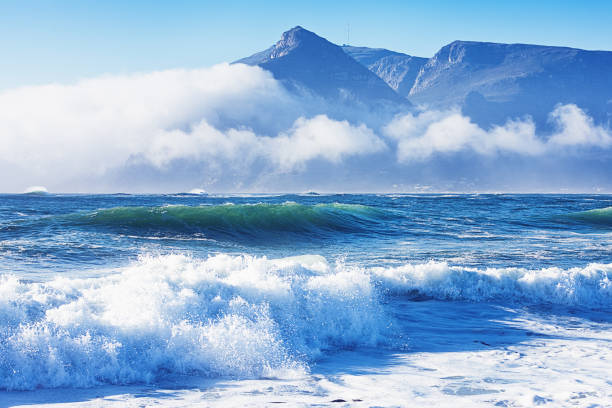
pixel 348 33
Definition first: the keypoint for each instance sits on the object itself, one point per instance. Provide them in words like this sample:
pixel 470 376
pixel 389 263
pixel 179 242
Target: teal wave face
pixel 601 216
pixel 44 235
pixel 237 220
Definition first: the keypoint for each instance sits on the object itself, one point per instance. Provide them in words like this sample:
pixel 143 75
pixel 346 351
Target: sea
pixel 390 300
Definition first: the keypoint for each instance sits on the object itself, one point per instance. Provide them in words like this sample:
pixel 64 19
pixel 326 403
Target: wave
pixel 239 316
pixel 224 316
pixel 36 190
pixel 237 220
pixel 589 287
pixel 601 216
pixel 197 191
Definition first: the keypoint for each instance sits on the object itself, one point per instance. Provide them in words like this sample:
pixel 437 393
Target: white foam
pixel 590 286
pixel 36 190
pixel 462 355
pixel 223 316
pixel 238 316
pixel 199 191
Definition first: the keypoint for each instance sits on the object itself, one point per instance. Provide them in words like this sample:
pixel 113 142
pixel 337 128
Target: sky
pixel 62 41
pixel 138 96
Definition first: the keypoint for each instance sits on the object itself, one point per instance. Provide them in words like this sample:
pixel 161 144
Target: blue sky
pixel 62 41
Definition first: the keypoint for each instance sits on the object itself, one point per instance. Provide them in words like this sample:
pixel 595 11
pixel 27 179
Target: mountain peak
pixel 296 32
pixel 302 58
pixel 297 37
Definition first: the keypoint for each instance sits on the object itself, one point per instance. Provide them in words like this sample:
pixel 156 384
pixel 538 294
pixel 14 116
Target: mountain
pixel 303 60
pixel 492 81
pixel 398 70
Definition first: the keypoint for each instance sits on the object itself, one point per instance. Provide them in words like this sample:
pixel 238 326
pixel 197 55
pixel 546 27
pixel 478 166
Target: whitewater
pixel 305 300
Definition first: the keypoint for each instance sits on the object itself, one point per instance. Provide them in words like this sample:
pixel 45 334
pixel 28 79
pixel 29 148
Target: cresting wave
pixel 238 316
pixel 601 216
pixel 589 287
pixel 237 220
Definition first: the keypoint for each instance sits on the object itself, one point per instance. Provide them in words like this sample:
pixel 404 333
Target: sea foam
pixel 239 316
pixel 589 287
pixel 223 316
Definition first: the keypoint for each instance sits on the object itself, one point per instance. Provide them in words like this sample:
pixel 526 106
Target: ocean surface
pixel 327 300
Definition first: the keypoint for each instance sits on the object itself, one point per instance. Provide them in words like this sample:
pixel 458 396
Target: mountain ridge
pixel 494 81
pixel 397 69
pixel 490 82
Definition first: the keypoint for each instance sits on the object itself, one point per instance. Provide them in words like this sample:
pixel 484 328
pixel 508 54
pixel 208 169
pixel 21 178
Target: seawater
pixel 135 289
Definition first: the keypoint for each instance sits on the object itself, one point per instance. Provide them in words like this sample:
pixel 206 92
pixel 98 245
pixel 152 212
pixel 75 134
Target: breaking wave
pixel 589 287
pixel 239 316
pixel 224 316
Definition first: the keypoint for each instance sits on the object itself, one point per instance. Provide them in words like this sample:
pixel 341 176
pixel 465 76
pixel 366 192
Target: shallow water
pixel 305 299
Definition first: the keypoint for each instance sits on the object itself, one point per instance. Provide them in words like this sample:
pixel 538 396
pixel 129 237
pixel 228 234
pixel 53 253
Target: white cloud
pixel 316 138
pixel 576 128
pixel 235 121
pixel 226 114
pixel 97 124
pixel 421 135
pixel 321 137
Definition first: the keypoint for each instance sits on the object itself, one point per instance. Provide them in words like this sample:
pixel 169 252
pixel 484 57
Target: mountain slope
pixel 302 59
pixel 493 81
pixel 398 70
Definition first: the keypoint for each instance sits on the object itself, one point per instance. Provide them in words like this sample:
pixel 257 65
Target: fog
pixel 235 128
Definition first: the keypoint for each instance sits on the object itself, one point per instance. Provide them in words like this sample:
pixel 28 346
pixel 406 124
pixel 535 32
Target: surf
pixel 242 316
pixel 236 316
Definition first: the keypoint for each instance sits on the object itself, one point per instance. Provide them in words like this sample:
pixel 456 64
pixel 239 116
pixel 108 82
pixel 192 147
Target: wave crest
pixel 237 220
pixel 589 287
pixel 601 216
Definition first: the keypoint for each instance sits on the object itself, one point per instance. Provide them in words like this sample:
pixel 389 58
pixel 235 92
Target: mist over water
pixel 233 127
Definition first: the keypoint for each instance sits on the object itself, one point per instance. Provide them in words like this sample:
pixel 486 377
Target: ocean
pixel 306 300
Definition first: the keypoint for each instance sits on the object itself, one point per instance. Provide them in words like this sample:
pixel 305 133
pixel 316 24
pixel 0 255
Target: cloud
pixel 224 116
pixel 423 134
pixel 316 138
pixel 321 137
pixel 235 125
pixel 576 128
pixel 97 124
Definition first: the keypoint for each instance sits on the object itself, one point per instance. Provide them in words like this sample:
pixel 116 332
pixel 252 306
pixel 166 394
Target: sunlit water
pixel 384 300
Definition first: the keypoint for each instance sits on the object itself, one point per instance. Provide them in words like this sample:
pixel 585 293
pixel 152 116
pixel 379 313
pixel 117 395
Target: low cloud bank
pixel 316 138
pixel 231 117
pixel 224 116
pixel 421 135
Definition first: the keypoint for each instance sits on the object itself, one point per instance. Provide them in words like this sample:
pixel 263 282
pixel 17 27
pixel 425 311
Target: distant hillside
pixel 398 70
pixel 490 82
pixel 494 81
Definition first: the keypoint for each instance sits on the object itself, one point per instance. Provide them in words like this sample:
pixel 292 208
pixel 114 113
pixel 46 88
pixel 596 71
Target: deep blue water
pixel 47 234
